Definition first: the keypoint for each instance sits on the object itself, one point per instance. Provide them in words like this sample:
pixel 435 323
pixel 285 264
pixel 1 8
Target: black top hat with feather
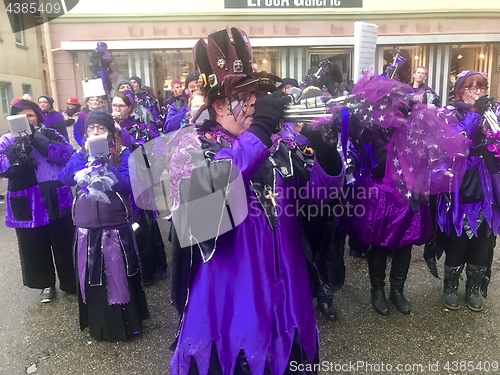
pixel 226 65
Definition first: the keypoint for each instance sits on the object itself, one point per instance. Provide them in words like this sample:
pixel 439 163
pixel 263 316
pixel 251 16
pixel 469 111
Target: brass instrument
pixel 492 120
pixel 310 109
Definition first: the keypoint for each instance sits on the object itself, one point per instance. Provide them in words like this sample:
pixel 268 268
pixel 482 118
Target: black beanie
pixel 123 82
pixel 23 104
pixel 101 117
pixel 49 99
pixel 137 79
pixel 193 76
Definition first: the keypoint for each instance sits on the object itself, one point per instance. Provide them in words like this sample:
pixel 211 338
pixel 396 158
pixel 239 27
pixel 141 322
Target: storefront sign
pixel 293 4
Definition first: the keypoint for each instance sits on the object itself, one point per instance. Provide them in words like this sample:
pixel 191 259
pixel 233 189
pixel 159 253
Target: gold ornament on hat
pixel 221 63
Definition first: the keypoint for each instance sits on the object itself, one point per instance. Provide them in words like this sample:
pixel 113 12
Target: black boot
pixel 377 261
pixel 399 271
pixel 326 309
pixel 487 275
pixel 450 288
pixel 475 275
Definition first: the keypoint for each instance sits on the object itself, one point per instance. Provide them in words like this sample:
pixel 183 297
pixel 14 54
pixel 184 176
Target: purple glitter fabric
pixel 426 154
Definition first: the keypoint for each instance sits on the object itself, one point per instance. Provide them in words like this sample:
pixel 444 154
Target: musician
pixel 38 206
pixel 471 218
pixel 418 83
pixel 247 284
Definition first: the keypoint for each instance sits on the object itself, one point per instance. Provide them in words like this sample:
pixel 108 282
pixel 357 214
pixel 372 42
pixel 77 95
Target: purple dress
pixel 251 293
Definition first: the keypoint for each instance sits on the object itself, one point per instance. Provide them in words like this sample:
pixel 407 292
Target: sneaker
pixel 48 294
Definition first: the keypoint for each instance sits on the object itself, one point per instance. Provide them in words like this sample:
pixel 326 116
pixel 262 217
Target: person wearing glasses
pixel 149 240
pixel 470 219
pixel 112 302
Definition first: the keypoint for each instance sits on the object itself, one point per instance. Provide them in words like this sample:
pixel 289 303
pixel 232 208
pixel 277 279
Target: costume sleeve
pixel 468 124
pixel 174 119
pixel 5 141
pixel 74 164
pixel 78 128
pixel 52 145
pixel 247 153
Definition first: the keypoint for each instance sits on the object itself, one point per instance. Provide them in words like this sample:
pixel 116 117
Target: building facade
pixel 154 39
pixel 22 66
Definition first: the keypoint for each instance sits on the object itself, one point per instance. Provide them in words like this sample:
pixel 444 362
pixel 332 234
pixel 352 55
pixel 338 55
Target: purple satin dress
pixel 253 293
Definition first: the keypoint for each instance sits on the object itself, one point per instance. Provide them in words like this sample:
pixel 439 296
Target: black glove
pixel 482 104
pixel 269 110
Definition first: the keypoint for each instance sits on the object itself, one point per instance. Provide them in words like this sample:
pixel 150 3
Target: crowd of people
pixel 257 224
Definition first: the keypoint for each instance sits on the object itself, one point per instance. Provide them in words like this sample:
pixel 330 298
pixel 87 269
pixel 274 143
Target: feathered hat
pixel 226 65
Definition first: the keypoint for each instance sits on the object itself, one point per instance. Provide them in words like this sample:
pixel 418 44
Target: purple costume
pixel 38 206
pixel 112 302
pixel 452 214
pixel 251 292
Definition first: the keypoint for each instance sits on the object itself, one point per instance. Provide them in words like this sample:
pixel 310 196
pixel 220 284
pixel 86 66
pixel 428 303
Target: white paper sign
pixel 18 125
pixel 365 43
pixel 98 146
pixel 93 87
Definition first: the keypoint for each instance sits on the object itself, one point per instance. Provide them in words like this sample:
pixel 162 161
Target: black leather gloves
pixel 269 111
pixel 482 104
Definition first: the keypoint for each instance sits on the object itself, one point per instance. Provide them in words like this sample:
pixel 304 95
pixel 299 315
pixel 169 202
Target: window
pixel 18 25
pixel 6 96
pixel 27 89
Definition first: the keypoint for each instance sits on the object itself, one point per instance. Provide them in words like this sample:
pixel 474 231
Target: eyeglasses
pixel 477 88
pixel 119 106
pixel 100 129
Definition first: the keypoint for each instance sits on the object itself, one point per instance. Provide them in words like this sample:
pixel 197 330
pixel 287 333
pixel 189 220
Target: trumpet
pixel 310 109
pixel 492 119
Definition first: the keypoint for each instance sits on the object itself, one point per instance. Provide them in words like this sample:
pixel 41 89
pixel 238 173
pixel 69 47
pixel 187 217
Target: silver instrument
pixel 492 120
pixel 310 109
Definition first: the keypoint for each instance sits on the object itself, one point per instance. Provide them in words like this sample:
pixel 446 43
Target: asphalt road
pixel 45 339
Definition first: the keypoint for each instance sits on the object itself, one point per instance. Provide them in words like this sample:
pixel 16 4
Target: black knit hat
pixel 101 117
pixel 193 76
pixel 137 79
pixel 23 104
pixel 123 82
pixel 49 99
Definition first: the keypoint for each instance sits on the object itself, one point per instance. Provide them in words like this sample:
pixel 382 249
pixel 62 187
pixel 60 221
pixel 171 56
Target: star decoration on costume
pixel 381 118
pixel 382 107
pixel 370 108
pixel 408 195
pixel 396 162
pixel 400 172
pixel 407 150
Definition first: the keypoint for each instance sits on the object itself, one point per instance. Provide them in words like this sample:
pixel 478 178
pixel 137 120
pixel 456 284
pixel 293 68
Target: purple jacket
pixel 89 213
pixel 35 196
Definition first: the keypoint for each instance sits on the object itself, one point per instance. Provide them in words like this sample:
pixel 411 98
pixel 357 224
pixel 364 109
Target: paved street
pixel 44 339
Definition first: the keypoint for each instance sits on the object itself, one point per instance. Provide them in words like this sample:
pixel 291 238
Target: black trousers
pixel 460 249
pixel 41 247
